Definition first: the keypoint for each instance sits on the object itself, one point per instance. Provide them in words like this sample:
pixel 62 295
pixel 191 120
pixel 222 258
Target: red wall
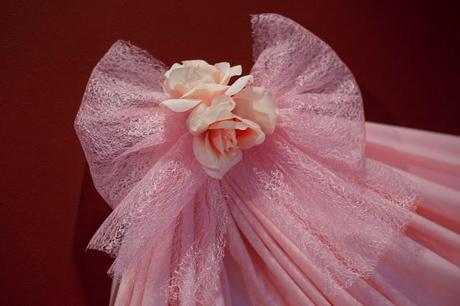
pixel 404 55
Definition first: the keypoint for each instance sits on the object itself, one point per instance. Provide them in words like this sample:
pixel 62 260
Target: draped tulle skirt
pixel 263 267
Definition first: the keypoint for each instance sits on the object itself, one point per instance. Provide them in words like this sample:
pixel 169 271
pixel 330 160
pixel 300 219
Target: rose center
pixel 223 140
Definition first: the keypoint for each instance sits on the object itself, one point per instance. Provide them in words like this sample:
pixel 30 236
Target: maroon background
pixel 404 55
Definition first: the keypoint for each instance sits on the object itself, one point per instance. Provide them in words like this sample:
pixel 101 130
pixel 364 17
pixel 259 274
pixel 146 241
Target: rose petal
pixel 196 122
pixel 224 69
pixel 182 79
pixel 202 116
pixel 223 101
pixel 235 70
pixel 215 164
pixel 180 105
pixel 197 62
pixel 217 140
pixel 228 72
pixel 201 64
pixel 174 66
pixel 250 137
pixel 205 91
pixel 228 124
pixel 238 85
pixel 257 104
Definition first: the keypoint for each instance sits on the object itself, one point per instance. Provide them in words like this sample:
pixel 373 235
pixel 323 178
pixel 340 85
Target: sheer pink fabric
pixel 313 216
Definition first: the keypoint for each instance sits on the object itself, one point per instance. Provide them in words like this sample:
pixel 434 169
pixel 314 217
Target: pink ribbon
pixel 307 202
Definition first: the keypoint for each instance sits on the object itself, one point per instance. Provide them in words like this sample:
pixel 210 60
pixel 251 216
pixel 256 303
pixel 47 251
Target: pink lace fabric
pixel 305 210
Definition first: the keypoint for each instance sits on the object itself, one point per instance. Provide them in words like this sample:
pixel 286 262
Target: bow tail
pixel 313 232
pixel 184 266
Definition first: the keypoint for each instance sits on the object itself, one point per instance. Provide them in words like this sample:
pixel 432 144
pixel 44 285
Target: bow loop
pixel 119 122
pixel 319 100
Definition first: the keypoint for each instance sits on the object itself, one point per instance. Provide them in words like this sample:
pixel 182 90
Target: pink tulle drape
pixel 305 217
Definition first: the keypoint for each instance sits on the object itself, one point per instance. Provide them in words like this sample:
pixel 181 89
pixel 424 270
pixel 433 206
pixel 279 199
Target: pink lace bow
pixel 304 199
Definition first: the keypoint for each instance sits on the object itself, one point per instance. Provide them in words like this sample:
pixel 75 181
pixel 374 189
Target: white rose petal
pixel 257 104
pixel 238 85
pixel 180 105
pixel 215 165
pixel 202 116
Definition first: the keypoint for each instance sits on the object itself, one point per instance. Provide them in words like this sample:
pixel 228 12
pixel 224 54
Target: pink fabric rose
pixel 220 135
pixel 224 119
